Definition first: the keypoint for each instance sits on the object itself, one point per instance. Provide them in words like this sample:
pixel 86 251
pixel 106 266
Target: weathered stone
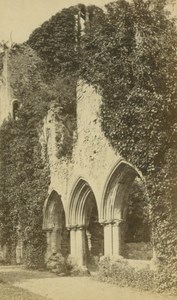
pixel 95 178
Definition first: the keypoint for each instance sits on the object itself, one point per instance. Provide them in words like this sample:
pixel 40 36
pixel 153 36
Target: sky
pixel 18 18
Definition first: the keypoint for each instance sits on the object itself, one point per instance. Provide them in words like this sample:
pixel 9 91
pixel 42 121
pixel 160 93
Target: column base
pixel 117 257
pixel 76 268
pixel 77 240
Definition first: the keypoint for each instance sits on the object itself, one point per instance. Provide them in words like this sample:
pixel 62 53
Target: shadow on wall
pixel 137 228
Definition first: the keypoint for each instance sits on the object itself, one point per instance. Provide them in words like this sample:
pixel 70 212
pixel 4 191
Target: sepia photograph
pixel 88 149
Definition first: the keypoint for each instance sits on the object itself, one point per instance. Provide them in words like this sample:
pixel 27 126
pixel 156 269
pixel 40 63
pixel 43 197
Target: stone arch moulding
pixel 86 234
pixel 114 202
pixel 52 197
pixel 54 224
pixel 117 185
pixel 77 205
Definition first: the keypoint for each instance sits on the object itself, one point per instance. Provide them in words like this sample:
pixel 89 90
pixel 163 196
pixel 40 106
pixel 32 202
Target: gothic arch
pixel 116 191
pixel 86 234
pixel 80 203
pixel 54 223
pixel 53 207
pixel 115 208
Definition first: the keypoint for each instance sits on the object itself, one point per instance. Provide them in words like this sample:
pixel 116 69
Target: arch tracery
pixel 79 202
pixel 86 234
pixel 55 227
pixel 116 190
pixel 114 206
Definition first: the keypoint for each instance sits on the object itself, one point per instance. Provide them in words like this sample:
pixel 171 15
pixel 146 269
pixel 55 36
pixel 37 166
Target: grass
pixel 10 292
pixel 22 274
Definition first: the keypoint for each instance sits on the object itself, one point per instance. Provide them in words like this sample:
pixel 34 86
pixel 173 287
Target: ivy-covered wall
pixel 25 173
pixel 129 53
pixel 132 55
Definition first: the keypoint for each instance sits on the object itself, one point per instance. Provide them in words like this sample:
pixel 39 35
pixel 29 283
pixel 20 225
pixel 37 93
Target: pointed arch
pixel 116 191
pixel 52 211
pixel 80 203
pixel 54 223
pixel 86 234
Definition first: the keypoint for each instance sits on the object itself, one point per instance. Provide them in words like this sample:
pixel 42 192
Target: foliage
pixel 1 62
pixel 137 219
pixel 131 55
pixel 65 266
pixel 24 175
pixel 24 171
pixel 51 41
pixel 64 109
pixel 57 264
pixel 119 272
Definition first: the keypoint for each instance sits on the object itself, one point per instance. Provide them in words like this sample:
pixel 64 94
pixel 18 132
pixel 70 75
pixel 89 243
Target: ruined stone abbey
pixel 93 203
pixel 86 209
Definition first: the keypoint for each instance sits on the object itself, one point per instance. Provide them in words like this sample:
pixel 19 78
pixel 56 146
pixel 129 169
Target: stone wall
pixel 6 93
pixel 93 157
pixel 91 167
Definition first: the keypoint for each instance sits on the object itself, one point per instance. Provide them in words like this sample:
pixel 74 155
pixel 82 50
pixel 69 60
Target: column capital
pixel 114 222
pixel 81 227
pixel 57 229
pixel 72 227
pixel 118 222
pixel 106 222
pixel 76 227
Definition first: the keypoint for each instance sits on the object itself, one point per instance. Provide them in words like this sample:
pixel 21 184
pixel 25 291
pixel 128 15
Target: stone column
pixel 48 237
pixel 55 240
pixel 80 246
pixel 154 261
pixel 118 238
pixel 72 241
pixel 88 234
pixel 59 239
pixel 5 252
pixel 108 239
pixel 19 245
pixel 19 254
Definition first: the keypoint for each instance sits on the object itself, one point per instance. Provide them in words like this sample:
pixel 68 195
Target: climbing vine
pixel 51 41
pixel 25 176
pixel 129 52
pixel 24 172
pixel 132 56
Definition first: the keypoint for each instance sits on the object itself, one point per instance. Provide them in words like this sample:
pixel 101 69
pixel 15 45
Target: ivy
pixel 24 172
pixel 51 41
pixel 129 53
pixel 131 56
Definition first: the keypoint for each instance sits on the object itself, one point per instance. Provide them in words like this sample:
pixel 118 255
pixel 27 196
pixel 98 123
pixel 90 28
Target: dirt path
pixel 84 288
pixel 73 288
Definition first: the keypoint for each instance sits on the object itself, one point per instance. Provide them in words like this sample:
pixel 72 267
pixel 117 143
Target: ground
pixel 20 284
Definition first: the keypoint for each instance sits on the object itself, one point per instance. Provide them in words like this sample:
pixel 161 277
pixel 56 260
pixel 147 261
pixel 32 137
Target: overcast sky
pixel 21 17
